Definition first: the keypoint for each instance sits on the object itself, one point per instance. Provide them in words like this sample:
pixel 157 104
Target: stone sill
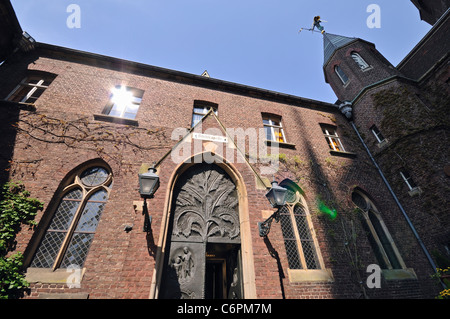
pixel 399 274
pixel 115 119
pixel 280 144
pixel 382 144
pixel 64 296
pixel 343 154
pixel 415 191
pixel 310 275
pixel 48 276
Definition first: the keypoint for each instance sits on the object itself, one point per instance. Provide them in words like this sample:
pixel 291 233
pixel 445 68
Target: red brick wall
pixel 121 264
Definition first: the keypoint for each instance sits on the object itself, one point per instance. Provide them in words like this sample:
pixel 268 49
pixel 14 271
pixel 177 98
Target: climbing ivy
pixel 17 208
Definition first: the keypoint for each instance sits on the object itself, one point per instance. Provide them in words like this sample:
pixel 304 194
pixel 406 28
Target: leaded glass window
pixel 71 231
pixel 298 234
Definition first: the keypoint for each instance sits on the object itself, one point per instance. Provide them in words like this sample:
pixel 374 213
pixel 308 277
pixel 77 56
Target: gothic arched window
pixel 379 238
pixel 298 233
pixel 342 76
pixel 359 61
pixel 72 228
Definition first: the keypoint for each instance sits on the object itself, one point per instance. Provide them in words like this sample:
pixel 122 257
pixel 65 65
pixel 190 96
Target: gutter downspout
pixel 396 199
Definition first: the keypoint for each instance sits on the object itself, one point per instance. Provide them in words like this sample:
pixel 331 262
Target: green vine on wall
pixel 17 209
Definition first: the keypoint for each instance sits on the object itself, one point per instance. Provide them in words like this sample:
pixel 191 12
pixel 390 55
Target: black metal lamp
pixel 277 198
pixel 148 185
pixel 277 195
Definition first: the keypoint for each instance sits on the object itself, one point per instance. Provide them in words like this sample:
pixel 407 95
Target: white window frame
pixel 362 64
pixel 376 132
pixel 204 110
pixel 135 101
pixel 273 126
pixel 25 83
pixel 331 137
pixel 407 179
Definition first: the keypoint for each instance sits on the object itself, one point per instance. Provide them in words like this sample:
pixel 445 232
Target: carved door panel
pixel 205 210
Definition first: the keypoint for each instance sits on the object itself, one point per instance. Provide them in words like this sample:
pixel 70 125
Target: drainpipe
pixel 346 108
pixel 395 198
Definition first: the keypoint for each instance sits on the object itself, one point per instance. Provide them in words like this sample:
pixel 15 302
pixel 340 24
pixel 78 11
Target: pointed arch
pixel 248 268
pixel 383 245
pixel 69 224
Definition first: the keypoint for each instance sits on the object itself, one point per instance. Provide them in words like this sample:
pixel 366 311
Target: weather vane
pixel 316 24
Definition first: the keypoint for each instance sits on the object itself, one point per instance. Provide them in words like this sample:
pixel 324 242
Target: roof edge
pixel 123 65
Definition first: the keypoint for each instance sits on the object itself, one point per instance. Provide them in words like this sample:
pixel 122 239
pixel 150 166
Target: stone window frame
pixel 342 75
pixel 362 64
pixel 56 274
pixel 369 214
pixel 320 273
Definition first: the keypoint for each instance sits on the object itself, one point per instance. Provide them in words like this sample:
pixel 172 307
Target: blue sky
pixel 251 42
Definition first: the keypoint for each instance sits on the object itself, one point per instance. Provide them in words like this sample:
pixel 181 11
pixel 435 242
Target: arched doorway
pixel 203 247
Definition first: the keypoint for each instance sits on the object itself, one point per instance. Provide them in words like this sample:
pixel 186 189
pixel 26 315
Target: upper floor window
pixel 359 61
pixel 332 138
pixel 342 76
pixel 376 132
pixel 274 128
pixel 379 238
pixel 72 228
pixel 31 88
pixel 124 102
pixel 201 108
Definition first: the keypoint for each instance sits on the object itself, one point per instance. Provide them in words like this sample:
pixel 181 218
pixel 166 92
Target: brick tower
pixel 400 115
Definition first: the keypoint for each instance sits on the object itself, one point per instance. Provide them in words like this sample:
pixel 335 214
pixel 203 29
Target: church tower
pixel 351 64
pixel 401 116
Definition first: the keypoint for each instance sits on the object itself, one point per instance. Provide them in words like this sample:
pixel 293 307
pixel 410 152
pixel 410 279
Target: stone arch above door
pixel 244 233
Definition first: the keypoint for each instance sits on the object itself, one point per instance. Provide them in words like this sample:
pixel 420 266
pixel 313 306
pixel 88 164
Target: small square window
pixel 124 102
pixel 274 129
pixel 408 179
pixel 376 132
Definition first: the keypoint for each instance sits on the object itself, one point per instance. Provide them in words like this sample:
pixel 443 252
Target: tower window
pixel 360 61
pixel 408 179
pixel 342 76
pixel 376 132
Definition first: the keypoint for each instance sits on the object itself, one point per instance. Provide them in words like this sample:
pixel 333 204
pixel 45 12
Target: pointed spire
pixel 332 42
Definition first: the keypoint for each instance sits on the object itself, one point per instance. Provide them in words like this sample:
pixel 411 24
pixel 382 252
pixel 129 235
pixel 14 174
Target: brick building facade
pixel 76 145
